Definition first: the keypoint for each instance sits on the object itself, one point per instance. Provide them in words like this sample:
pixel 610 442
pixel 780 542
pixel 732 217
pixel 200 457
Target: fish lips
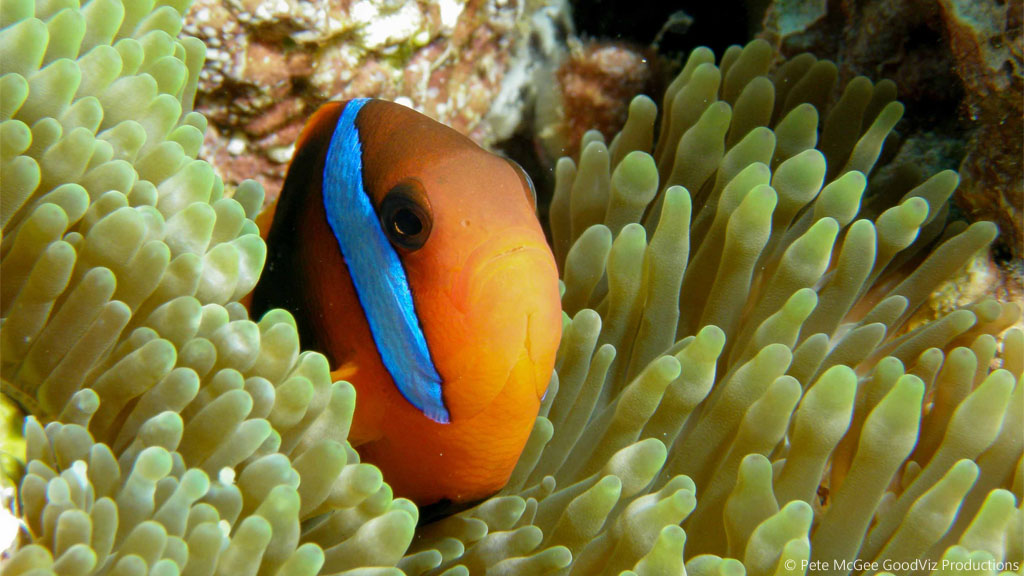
pixel 507 294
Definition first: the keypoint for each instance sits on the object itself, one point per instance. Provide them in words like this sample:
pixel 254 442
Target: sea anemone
pixel 738 389
pixel 167 432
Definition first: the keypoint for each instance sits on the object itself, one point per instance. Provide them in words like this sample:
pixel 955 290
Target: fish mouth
pixel 527 280
pixel 509 320
pixel 512 251
pixel 527 259
pixel 512 257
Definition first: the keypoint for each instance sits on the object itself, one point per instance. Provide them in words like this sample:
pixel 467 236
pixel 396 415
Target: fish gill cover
pixel 735 392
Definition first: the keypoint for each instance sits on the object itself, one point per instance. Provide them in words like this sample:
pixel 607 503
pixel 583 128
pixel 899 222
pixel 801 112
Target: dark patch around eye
pixel 405 215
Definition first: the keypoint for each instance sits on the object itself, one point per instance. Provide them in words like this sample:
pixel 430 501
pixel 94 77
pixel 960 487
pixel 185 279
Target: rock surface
pixel 271 63
pixel 590 90
pixel 958 66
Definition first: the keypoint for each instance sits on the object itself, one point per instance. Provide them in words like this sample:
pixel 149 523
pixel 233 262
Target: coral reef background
pixel 743 384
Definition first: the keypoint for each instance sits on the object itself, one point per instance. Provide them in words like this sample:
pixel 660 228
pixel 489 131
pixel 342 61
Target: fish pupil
pixel 405 215
pixel 407 223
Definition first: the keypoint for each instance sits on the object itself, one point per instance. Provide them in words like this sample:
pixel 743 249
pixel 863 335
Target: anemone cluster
pixel 167 432
pixel 738 390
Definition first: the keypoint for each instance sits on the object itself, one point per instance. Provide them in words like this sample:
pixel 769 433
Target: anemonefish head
pixel 408 232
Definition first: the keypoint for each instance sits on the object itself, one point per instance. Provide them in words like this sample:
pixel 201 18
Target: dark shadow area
pixel 714 24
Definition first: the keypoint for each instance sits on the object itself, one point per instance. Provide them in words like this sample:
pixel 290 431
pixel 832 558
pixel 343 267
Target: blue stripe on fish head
pixel 376 270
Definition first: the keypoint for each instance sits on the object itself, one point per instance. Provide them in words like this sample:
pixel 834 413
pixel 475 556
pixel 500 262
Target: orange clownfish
pixel 413 259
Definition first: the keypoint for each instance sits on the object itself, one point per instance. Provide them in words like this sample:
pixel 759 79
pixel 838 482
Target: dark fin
pixel 282 283
pixel 444 508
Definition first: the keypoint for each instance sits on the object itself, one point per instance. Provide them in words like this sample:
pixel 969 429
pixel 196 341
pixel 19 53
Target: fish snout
pixel 514 319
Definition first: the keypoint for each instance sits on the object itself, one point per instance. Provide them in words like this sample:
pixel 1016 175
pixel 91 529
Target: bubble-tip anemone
pixel 734 390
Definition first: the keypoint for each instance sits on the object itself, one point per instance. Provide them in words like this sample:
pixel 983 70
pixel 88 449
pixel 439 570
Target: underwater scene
pixel 511 287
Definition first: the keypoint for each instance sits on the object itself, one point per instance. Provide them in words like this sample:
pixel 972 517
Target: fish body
pixel 413 259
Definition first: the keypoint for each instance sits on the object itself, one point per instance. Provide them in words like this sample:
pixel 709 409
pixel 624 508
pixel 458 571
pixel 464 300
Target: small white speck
pixel 450 12
pixel 405 101
pixel 281 155
pixel 379 30
pixel 226 475
pixel 363 11
pixel 236 146
pixel 225 527
pixel 79 470
pixel 9 523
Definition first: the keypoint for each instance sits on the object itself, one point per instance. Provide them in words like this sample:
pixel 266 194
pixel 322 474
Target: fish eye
pixel 406 223
pixel 405 215
pixel 531 192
